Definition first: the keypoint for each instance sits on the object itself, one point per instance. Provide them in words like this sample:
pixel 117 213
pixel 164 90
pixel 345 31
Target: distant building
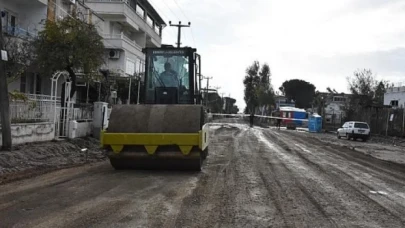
pixel 282 101
pixel 334 107
pixel 395 97
pixel 229 105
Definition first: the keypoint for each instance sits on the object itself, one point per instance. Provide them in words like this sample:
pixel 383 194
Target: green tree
pixel 302 92
pixel 258 89
pixel 20 56
pixel 319 102
pixel 365 90
pixel 265 89
pixel 251 82
pixel 71 45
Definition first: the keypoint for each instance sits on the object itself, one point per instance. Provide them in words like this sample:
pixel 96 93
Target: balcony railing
pixel 122 37
pixel 138 11
pixel 19 32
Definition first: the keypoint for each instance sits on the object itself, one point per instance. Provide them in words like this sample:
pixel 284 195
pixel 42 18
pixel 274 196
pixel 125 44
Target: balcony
pixel 19 32
pixel 120 41
pixel 31 2
pixel 122 11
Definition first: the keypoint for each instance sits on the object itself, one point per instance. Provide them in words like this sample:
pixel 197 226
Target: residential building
pixel 23 17
pixel 126 26
pixel 129 26
pixel 334 109
pixel 395 97
pixel 22 21
pixel 282 101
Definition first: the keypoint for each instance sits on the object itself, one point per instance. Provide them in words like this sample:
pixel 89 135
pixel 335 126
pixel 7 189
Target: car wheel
pixel 348 136
pixel 338 136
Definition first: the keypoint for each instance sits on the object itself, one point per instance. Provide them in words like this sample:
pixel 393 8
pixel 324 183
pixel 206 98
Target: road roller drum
pixel 156 137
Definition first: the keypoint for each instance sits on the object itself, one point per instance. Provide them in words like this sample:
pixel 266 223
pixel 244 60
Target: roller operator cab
pixel 172 76
pixel 168 131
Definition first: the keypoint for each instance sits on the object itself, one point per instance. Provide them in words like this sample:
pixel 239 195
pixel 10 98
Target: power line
pixel 166 18
pixel 178 17
pixel 181 10
pixel 192 36
pixel 170 10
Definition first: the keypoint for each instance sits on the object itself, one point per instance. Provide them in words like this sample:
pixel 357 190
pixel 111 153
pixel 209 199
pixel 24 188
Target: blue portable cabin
pixel 315 123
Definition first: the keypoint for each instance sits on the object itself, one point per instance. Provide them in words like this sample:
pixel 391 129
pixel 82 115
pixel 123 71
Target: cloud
pixel 320 41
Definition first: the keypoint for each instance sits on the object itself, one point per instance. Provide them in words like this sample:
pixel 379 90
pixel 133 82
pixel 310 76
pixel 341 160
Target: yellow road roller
pixel 168 130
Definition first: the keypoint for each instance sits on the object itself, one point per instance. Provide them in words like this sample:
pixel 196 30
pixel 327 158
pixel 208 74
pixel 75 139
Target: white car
pixel 354 130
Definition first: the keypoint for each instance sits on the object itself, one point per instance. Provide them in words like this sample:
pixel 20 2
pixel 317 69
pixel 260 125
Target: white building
pixel 334 107
pixel 395 97
pixel 24 19
pixel 129 26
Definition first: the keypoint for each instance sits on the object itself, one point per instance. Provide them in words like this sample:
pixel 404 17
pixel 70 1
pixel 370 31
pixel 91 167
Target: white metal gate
pixel 62 115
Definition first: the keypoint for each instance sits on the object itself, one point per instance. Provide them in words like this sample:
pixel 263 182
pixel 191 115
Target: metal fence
pixel 382 121
pixel 83 112
pixel 31 111
pixel 41 108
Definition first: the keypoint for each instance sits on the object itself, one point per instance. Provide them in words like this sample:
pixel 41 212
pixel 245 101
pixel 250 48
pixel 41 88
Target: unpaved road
pixel 253 177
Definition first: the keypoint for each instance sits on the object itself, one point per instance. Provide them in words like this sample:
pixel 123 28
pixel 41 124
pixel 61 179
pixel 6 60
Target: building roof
pixel 152 12
pixel 292 109
pixel 336 94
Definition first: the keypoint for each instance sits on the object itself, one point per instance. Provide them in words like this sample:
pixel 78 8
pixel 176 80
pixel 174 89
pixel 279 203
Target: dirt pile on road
pixel 387 140
pixel 36 158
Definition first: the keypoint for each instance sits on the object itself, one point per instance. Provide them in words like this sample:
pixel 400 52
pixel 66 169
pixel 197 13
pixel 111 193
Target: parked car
pixel 354 130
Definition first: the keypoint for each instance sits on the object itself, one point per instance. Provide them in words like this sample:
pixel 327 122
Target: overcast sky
pixel 320 41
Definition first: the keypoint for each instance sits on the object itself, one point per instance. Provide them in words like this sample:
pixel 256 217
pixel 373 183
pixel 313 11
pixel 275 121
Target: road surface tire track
pixel 342 178
pixel 288 188
pixel 253 177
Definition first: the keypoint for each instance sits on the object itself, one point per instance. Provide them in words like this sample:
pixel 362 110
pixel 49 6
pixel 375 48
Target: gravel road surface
pixel 253 177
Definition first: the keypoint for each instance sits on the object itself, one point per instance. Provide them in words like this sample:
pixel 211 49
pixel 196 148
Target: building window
pixel 394 103
pixel 140 11
pixel 157 29
pixel 10 23
pixel 149 21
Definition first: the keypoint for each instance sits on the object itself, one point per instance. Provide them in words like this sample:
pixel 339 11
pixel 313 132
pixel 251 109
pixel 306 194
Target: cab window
pixel 168 70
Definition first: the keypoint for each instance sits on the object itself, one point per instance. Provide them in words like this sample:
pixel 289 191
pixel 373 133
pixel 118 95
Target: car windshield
pixel 361 125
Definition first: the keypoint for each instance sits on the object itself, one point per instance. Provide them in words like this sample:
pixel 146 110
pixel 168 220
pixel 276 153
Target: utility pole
pixel 403 120
pixel 223 102
pixel 129 90
pixel 179 26
pixel 206 90
pixel 4 100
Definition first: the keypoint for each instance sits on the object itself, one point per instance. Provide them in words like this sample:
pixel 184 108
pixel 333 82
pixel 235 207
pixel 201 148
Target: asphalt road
pixel 253 177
